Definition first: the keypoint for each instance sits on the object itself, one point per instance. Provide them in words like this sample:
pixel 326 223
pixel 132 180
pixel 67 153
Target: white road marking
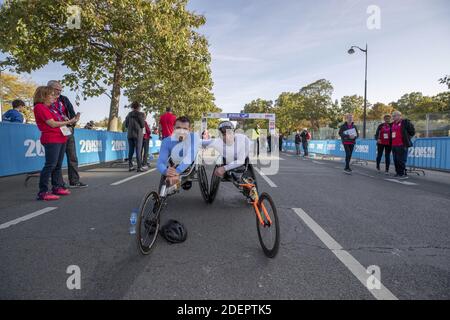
pixel 132 177
pixel 27 217
pixel 407 183
pixel 270 182
pixel 108 170
pixel 346 258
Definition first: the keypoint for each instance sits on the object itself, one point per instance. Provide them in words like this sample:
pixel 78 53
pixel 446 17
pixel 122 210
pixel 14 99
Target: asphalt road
pixel 340 226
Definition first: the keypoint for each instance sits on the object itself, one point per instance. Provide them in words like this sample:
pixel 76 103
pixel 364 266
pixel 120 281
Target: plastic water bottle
pixel 133 219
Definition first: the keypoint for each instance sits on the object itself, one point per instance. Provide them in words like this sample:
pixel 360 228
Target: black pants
pixel 348 154
pixel 145 146
pixel 54 156
pixel 387 155
pixel 72 160
pixel 134 146
pixel 400 156
pixel 257 147
pixel 297 148
pixel 305 148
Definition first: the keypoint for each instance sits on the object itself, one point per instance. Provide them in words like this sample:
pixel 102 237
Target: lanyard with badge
pixel 396 127
pixel 57 110
pixel 385 132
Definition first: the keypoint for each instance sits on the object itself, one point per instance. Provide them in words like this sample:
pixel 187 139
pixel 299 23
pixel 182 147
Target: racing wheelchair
pixel 153 203
pixel 244 179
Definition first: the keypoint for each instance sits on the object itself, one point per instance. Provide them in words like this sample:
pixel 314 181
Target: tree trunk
pixel 115 95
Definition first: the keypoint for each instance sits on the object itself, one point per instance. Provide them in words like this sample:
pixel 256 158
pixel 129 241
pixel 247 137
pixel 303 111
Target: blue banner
pixel 426 153
pixel 21 150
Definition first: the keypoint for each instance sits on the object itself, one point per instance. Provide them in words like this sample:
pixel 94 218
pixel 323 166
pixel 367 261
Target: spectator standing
pixel 298 141
pixel 256 136
pixel 280 142
pixel 135 124
pixel 402 132
pixel 348 133
pixel 54 133
pixel 306 136
pixel 383 136
pixel 167 123
pixel 146 145
pixel 63 105
pixel 15 114
pixel 269 142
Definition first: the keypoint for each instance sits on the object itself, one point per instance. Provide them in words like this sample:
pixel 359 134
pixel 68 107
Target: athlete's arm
pixel 163 158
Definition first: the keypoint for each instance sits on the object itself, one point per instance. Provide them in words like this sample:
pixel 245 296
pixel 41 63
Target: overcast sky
pixel 261 48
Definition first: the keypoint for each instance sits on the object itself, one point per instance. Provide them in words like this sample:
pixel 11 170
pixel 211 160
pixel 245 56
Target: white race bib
pixel 385 136
pixel 65 131
pixel 394 134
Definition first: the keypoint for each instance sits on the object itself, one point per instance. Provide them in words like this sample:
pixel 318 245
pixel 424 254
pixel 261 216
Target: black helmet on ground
pixel 174 232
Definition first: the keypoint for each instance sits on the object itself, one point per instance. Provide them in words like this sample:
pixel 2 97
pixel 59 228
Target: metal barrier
pixel 22 152
pixel 426 153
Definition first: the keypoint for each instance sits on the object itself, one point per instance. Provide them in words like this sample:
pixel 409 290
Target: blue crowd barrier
pixel 426 153
pixel 21 150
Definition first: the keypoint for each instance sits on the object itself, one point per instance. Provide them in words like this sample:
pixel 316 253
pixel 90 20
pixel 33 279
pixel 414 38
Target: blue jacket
pixel 186 151
pixel 12 116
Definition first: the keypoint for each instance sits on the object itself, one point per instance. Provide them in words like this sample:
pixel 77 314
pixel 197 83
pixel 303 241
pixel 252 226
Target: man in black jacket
pixel 298 141
pixel 63 104
pixel 135 123
pixel 305 137
pixel 402 132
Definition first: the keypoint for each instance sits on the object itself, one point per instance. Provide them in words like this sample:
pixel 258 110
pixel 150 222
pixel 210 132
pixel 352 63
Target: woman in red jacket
pixel 53 127
pixel 383 135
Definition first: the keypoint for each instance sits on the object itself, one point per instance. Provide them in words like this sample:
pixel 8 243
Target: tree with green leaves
pixel 353 104
pixel 288 110
pixel 149 49
pixel 257 106
pixel 378 110
pixel 316 101
pixel 13 87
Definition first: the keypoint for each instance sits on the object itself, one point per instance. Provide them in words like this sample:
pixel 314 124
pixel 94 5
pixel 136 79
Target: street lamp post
pixel 351 51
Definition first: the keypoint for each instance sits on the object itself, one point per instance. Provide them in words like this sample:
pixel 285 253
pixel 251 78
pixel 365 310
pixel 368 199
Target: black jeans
pixel 348 154
pixel 54 156
pixel 400 155
pixel 72 160
pixel 305 148
pixel 145 146
pixel 387 155
pixel 297 148
pixel 134 146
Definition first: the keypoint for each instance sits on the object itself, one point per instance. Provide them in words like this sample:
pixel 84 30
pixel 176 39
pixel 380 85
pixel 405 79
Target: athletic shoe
pixel 347 171
pixel 78 185
pixel 141 170
pixel 145 167
pixel 386 173
pixel 131 169
pixel 403 177
pixel 61 191
pixel 47 196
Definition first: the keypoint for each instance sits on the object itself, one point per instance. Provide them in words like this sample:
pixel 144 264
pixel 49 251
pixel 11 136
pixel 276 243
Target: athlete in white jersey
pixel 233 147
